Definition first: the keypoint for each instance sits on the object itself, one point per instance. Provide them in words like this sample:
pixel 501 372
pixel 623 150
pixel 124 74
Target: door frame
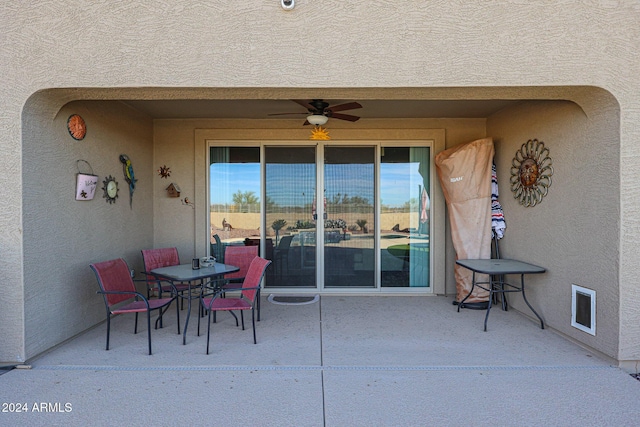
pixel 347 137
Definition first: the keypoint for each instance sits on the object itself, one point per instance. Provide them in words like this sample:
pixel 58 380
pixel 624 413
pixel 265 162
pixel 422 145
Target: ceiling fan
pixel 319 111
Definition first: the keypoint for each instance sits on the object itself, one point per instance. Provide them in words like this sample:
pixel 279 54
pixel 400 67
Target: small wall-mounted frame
pixel 173 190
pixel 86 183
pixel 583 309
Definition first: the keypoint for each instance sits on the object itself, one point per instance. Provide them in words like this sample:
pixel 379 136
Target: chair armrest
pixel 136 295
pixel 240 289
pixel 157 281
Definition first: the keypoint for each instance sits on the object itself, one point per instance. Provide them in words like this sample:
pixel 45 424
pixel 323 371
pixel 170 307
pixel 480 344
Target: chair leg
pixel 177 315
pixel 201 304
pixel 135 330
pixel 159 319
pixel 200 314
pixel 235 317
pixel 253 322
pixel 258 303
pixel 148 328
pixel 241 317
pixel 208 329
pixel 108 328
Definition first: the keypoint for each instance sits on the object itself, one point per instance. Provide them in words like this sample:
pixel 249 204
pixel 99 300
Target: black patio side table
pixel 498 268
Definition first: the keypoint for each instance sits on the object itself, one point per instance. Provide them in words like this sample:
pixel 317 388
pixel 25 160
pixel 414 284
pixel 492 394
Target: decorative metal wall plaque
pixel 531 171
pixel 77 127
pixel 110 188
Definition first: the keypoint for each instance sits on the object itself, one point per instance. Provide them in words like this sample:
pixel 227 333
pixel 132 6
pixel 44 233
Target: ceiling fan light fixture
pixel 317 119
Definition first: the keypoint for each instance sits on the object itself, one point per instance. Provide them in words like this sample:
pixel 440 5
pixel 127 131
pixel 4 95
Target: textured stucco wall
pixel 62 235
pixel 491 49
pixel 574 231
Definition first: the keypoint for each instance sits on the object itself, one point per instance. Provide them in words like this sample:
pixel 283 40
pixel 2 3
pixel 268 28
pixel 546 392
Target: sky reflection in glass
pixel 396 179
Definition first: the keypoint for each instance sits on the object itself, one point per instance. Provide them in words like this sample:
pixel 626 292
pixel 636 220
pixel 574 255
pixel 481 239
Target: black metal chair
pixel 117 287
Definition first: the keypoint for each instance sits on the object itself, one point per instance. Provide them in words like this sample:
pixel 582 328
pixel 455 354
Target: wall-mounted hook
pixel 187 202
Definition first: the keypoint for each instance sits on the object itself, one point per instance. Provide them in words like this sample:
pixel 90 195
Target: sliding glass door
pixel 290 185
pixel 349 224
pixel 234 197
pixel 328 216
pixel 404 213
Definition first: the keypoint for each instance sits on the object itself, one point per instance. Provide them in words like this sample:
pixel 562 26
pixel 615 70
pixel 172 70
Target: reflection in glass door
pixel 234 197
pixel 290 185
pixel 404 216
pixel 349 223
pixel 309 205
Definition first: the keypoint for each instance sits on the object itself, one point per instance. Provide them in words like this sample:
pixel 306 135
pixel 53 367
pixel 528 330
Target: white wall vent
pixel 583 309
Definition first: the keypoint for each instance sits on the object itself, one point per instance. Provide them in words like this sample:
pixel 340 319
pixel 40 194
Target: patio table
pixel 186 273
pixel 498 268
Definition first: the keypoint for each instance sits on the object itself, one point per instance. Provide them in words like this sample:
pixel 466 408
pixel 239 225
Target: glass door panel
pixel 234 197
pixel 349 223
pixel 290 185
pixel 404 216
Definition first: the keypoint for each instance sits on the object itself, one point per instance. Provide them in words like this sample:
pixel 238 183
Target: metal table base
pixel 499 268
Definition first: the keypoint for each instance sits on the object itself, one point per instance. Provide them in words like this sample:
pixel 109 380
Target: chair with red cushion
pixel 239 256
pixel 249 293
pixel 121 297
pixel 157 258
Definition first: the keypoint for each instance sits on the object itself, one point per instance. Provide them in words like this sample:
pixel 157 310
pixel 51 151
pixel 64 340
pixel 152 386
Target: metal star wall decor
pixel 164 171
pixel 319 133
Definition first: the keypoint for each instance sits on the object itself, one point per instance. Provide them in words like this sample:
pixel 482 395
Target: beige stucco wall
pixel 574 231
pixel 423 50
pixel 62 235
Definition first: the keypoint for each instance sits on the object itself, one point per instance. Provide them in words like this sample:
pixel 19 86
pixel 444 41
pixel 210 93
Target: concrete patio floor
pixel 342 361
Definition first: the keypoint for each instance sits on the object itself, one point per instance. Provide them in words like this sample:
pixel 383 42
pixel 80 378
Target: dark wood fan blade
pixel 306 122
pixel 347 106
pixel 286 114
pixel 348 117
pixel 305 104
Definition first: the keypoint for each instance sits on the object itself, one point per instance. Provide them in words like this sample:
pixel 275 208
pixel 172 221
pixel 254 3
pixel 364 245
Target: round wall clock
pixel 531 171
pixel 110 188
pixel 77 127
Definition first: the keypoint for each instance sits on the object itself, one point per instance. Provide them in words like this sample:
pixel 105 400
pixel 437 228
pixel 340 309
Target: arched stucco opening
pixel 62 236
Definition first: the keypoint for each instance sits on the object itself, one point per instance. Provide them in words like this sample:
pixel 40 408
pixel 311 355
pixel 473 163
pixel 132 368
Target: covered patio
pixel 339 361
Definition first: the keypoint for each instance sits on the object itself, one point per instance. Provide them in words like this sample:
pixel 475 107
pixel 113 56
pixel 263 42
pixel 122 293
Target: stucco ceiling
pixel 261 108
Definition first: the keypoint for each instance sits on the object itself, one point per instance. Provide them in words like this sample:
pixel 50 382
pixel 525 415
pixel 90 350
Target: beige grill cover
pixel 465 176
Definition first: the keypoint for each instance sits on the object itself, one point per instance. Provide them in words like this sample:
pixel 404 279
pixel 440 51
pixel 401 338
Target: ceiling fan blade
pixel 306 122
pixel 305 104
pixel 347 106
pixel 285 114
pixel 348 117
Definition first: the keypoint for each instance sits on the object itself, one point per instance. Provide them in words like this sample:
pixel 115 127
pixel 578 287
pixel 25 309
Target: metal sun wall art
pixel 110 188
pixel 319 133
pixel 77 127
pixel 531 171
pixel 164 171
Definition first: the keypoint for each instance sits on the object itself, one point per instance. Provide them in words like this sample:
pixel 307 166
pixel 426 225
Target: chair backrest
pixel 239 256
pixel 114 275
pixel 217 249
pixel 254 276
pixel 157 258
pixel 285 243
